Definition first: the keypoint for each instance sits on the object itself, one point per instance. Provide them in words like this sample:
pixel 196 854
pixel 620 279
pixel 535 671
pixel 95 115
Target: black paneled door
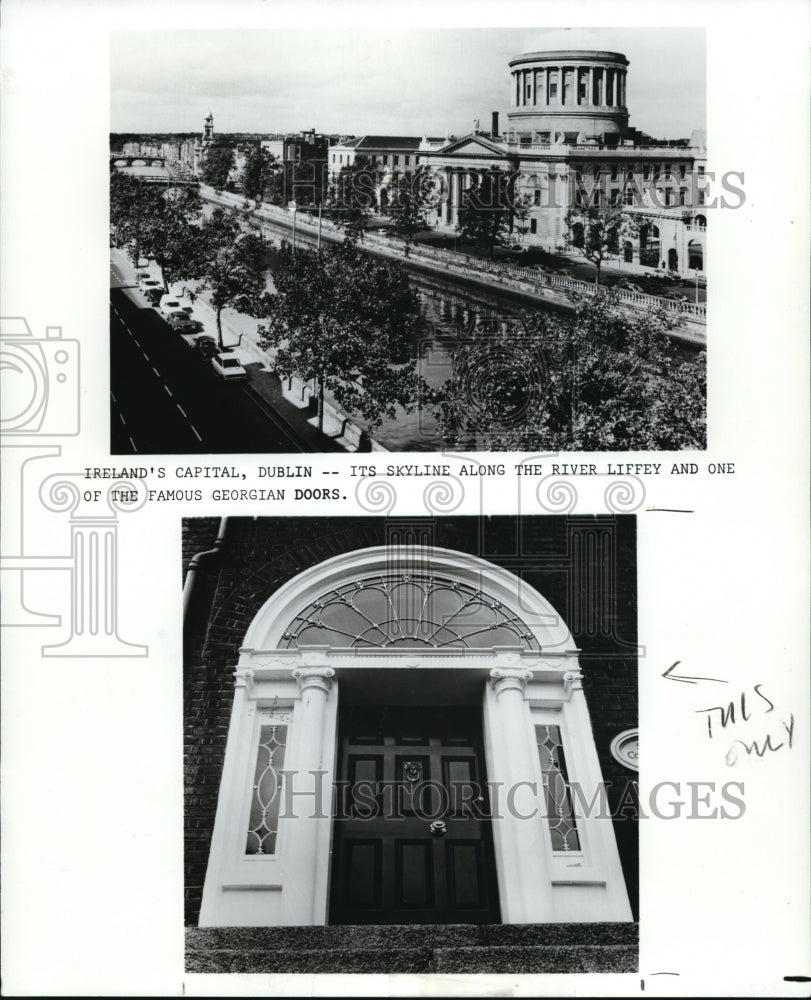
pixel 412 838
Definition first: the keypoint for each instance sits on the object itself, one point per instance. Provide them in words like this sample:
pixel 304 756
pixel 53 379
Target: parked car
pixel 228 365
pixel 145 283
pixel 675 296
pixel 629 286
pixel 154 295
pixel 181 321
pixel 169 304
pixel 207 346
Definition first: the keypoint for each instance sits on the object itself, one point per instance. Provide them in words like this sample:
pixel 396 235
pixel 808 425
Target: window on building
pixel 615 171
pixel 614 198
pixel 583 88
pixel 700 170
pixel 553 86
pixel 395 160
pixel 695 255
pixel 628 197
pixel 702 197
pixel 533 225
pixel 263 823
pixel 682 170
pixel 408 611
pixel 557 792
pixel 646 172
pixel 408 161
pixel 568 85
pixel 537 197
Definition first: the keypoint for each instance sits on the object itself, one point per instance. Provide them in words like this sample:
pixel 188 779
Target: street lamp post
pixel 292 207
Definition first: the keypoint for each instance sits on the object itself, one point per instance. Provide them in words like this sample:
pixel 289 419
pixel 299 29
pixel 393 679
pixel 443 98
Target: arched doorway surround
pixel 415 628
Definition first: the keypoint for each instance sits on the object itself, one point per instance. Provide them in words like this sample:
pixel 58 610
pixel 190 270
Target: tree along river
pixel 450 309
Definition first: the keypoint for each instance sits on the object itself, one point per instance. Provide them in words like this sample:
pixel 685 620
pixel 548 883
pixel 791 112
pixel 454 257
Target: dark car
pixel 153 295
pixel 207 346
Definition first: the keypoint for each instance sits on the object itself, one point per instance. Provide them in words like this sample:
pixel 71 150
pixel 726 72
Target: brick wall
pixel 585 566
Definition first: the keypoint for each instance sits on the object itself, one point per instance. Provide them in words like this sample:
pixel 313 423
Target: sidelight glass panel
pixel 267 781
pixel 559 808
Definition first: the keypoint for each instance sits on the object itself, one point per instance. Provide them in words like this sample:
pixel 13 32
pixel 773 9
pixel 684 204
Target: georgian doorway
pixel 440 679
pixel 412 840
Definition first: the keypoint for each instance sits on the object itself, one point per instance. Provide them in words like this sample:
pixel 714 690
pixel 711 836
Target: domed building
pixel 567 145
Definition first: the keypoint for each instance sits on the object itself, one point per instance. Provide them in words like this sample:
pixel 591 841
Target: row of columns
pixel 521 839
pixel 606 87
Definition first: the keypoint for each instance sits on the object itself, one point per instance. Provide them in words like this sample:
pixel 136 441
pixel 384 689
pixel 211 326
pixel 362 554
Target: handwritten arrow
pixel 669 675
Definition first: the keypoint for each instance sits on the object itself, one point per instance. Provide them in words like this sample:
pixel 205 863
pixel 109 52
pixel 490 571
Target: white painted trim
pixel 265 631
pixel 535 884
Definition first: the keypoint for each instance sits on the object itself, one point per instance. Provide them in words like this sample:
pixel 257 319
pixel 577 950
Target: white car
pixel 169 304
pixel 228 365
pixel 146 283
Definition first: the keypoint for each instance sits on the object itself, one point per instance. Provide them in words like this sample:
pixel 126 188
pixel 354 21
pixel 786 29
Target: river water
pixel 451 310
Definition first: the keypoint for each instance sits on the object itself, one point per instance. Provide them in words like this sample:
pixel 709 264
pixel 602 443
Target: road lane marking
pixel 133 446
pixel 182 410
pixel 166 387
pixel 121 418
pixel 155 370
pixel 195 433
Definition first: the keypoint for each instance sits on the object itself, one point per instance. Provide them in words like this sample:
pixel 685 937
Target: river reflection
pixel 451 312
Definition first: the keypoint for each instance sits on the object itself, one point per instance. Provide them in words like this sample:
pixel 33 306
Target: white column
pixel 312 811
pixel 591 85
pixel 456 187
pixel 525 887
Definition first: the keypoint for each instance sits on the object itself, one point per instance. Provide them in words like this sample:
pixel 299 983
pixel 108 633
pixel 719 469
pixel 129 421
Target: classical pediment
pixel 473 145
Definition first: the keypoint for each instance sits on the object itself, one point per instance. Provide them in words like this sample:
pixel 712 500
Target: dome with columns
pixel 577 88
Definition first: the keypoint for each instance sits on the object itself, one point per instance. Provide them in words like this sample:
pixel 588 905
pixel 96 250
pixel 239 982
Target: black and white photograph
pixel 461 239
pixel 398 595
pixel 404 757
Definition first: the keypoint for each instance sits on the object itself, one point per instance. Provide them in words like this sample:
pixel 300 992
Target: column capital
pixel 505 679
pixel 243 678
pixel 572 681
pixel 314 677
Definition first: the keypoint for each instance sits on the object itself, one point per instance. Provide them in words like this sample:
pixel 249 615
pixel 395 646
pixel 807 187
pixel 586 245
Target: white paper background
pixel 92 790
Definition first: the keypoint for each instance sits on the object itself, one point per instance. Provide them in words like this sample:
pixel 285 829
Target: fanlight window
pixel 408 611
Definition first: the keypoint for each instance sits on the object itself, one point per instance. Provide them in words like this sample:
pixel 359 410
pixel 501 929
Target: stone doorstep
pixel 614 958
pixel 405 936
pixel 468 960
pixel 330 960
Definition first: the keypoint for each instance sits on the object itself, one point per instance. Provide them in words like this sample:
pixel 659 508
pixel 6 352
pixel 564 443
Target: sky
pixel 403 82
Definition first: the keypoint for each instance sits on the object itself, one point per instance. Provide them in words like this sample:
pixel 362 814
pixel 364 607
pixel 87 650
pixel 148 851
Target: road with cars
pixel 165 397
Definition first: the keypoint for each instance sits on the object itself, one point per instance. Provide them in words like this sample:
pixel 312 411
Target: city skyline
pixel 409 82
